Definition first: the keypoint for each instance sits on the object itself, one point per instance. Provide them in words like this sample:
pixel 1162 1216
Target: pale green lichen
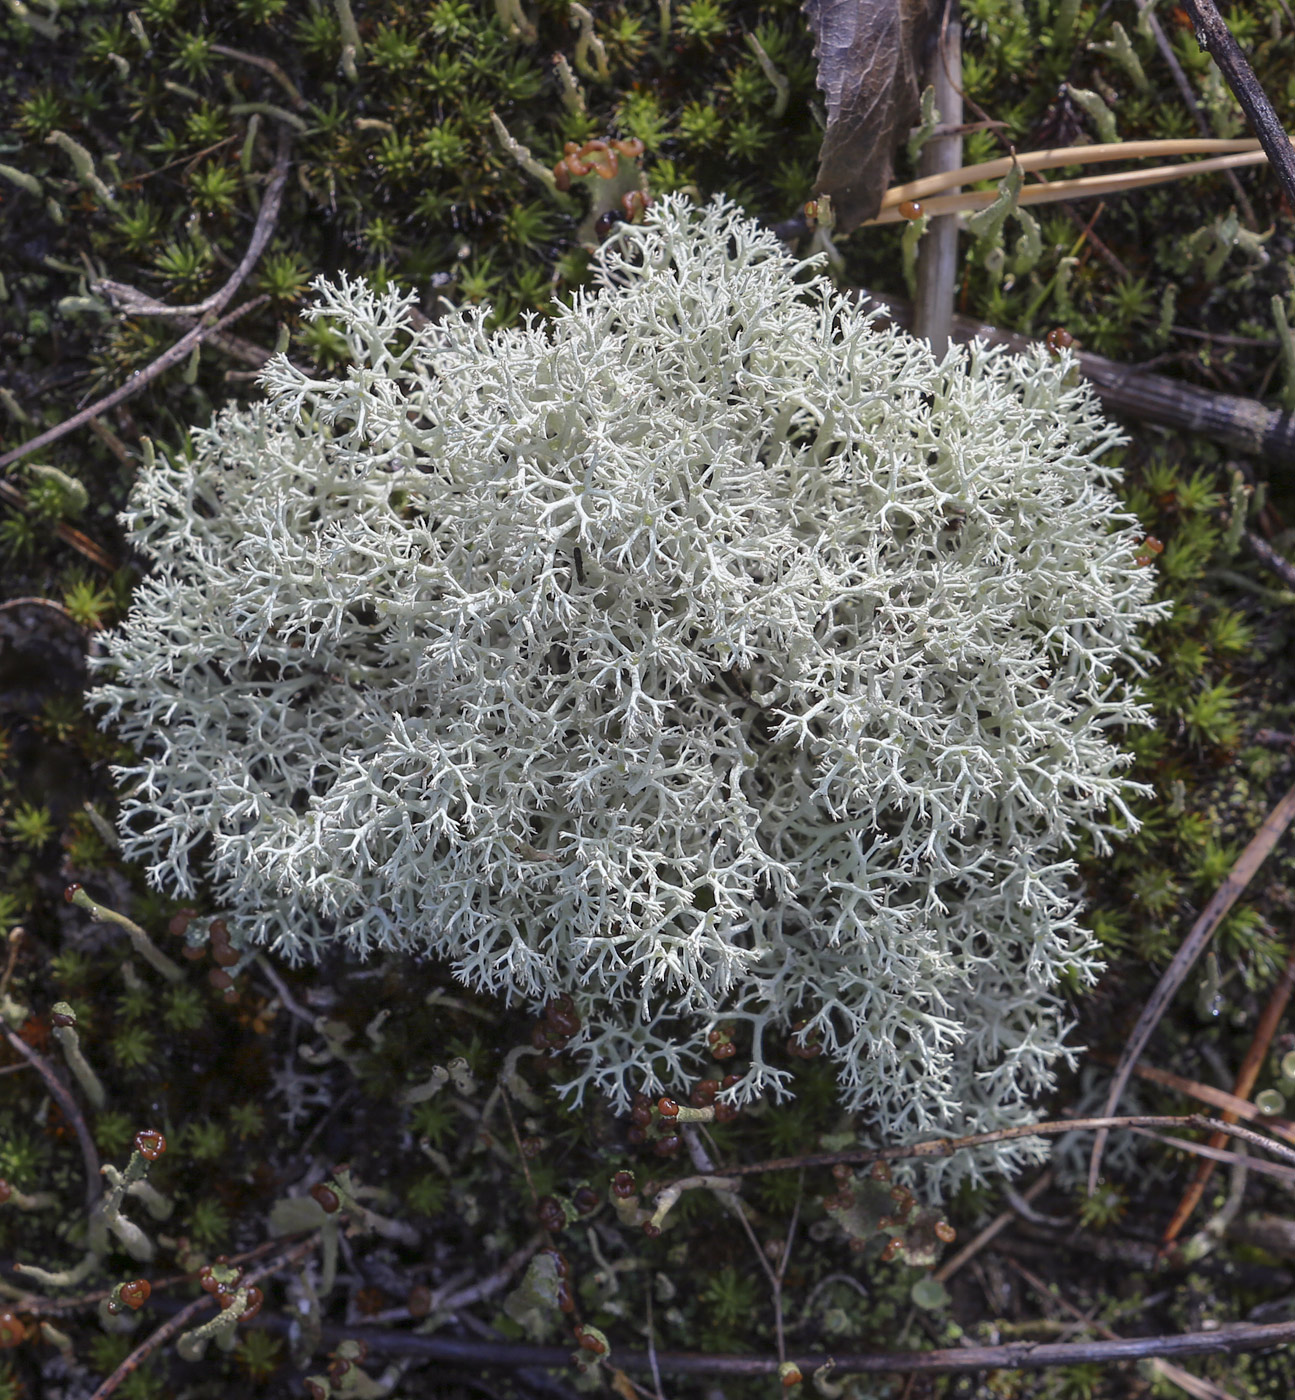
pixel 715 656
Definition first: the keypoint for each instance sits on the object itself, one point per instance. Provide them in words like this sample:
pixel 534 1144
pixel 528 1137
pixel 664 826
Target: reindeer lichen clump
pixel 710 656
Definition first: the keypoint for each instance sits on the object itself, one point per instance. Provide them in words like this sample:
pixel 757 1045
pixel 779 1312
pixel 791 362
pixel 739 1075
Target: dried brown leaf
pixel 870 60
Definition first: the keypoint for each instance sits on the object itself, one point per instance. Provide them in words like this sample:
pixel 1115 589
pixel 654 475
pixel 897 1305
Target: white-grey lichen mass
pixel 709 655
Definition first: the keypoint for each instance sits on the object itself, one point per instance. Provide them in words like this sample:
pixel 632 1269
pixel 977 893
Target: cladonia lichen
pixel 708 654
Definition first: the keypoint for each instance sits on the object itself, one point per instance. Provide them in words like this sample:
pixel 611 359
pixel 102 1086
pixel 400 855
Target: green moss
pixel 31 826
pixel 428 1194
pixel 134 1047
pixel 113 1132
pixel 24 1157
pixel 424 197
pixel 205 1141
pixel 208 1223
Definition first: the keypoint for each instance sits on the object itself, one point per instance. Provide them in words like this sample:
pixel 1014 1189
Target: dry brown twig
pixel 267 65
pixel 137 381
pixel 1214 36
pixel 995 1227
pixel 135 302
pixel 1245 1083
pixel 261 233
pixel 65 1101
pixel 946 1147
pixel 69 534
pixel 1027 1355
pixel 1082 187
pixel 1275 563
pixel 1286 1175
pixel 1147 16
pixel 1244 1110
pixel 1221 152
pixel 1242 872
pixel 1183 1379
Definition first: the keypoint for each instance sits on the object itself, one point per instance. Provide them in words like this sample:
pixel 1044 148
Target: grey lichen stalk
pixel 709 655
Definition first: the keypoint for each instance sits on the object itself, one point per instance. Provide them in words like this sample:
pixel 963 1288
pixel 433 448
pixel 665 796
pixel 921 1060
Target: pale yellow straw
pixel 1241 153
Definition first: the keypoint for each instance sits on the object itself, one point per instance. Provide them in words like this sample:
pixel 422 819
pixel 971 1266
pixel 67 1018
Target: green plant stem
pixel 139 940
pixel 79 1065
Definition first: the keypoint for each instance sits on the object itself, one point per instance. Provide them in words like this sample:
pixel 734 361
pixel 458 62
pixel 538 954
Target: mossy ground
pixel 398 175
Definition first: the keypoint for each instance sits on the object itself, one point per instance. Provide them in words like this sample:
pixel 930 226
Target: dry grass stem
pixel 1059 156
pixel 1086 187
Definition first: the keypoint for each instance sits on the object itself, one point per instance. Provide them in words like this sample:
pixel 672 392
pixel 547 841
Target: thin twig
pixel 286 999
pixel 16 936
pixel 179 160
pixel 1278 1149
pixel 1239 1337
pixel 89 1153
pixel 1102 249
pixel 32 601
pixel 517 1141
pixel 1242 872
pixel 139 380
pixel 1214 36
pixel 261 233
pixel 113 443
pixel 1218 1154
pixel 947 1147
pixel 1243 1109
pixel 1172 1373
pixel 781 1271
pixel 235 346
pixel 1026 1211
pixel 269 66
pixel 69 534
pixel 453 1299
pixel 652 1361
pixel 1275 563
pixel 1245 1082
pixel 738 1210
pixel 1219 338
